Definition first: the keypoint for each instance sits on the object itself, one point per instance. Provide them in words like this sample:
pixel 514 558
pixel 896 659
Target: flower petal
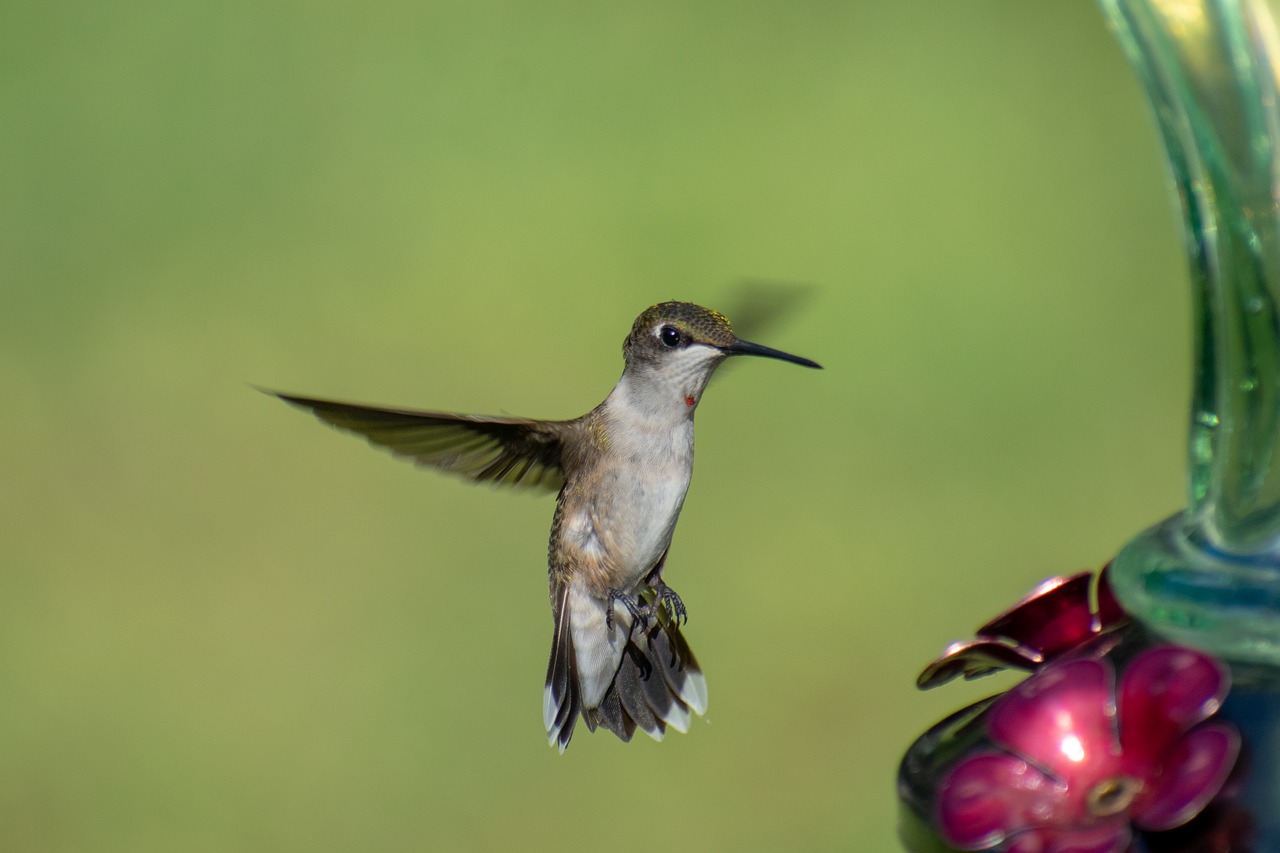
pixel 1192 775
pixel 1061 718
pixel 1163 692
pixel 975 658
pixel 989 796
pixel 1053 617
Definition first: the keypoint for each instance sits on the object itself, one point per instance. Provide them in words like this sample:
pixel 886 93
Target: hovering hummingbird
pixel 618 658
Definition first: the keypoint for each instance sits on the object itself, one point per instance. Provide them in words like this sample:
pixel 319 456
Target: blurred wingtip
pixel 754 305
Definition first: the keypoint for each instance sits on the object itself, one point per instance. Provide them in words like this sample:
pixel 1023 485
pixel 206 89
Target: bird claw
pixel 642 611
pixel 639 613
pixel 675 607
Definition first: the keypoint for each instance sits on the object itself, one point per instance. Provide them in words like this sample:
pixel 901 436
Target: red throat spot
pixel 689 401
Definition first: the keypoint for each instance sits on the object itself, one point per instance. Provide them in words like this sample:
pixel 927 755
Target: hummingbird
pixel 621 471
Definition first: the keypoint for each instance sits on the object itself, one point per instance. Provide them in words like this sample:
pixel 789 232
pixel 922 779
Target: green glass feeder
pixel 1205 581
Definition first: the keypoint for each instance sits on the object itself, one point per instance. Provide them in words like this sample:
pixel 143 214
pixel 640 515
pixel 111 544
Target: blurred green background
pixel 225 627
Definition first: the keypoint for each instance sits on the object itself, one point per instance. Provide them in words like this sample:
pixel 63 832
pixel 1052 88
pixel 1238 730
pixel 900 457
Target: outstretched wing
pixel 508 451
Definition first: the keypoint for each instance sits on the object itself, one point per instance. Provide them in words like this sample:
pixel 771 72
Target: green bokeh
pixel 224 627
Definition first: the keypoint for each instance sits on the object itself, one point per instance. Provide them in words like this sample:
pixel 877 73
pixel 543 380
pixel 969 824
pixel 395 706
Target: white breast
pixel 643 484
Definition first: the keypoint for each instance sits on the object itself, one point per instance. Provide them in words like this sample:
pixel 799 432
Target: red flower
pixel 1077 763
pixel 1053 619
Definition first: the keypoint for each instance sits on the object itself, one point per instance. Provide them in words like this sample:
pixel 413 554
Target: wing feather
pixel 509 451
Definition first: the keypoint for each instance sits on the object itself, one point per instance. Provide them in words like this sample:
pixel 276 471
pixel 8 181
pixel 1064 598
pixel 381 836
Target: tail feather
pixel 658 693
pixel 610 715
pixel 561 700
pixel 617 677
pixel 629 687
pixel 680 668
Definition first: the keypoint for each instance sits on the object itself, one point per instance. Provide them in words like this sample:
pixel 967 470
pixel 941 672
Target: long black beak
pixel 741 347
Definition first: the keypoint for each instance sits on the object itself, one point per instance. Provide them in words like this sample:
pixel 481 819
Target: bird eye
pixel 670 336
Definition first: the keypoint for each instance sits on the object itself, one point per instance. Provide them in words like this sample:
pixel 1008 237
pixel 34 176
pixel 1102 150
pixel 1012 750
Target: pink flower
pixel 1077 763
pixel 1053 619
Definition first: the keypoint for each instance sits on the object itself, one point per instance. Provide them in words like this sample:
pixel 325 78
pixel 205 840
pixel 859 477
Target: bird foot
pixel 639 613
pixel 667 596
